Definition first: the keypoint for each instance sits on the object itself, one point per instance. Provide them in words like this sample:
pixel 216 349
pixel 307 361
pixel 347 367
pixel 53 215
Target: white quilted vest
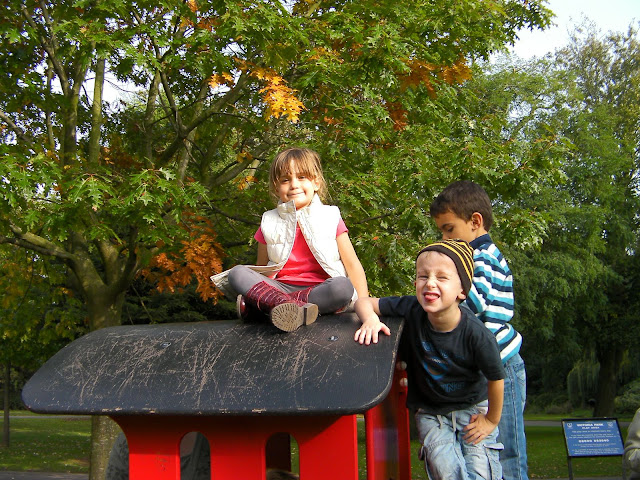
pixel 318 223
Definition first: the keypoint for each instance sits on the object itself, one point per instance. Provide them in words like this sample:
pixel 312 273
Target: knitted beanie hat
pixel 462 255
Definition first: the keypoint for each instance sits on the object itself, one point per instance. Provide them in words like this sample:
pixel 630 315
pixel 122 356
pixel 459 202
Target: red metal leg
pixel 330 449
pixel 387 435
pixel 154 449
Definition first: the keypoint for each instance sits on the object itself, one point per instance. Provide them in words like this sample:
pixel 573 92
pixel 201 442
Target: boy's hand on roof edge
pixel 369 332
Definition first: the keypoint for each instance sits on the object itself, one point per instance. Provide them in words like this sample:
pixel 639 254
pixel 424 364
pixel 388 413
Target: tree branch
pixel 96 113
pixel 229 98
pixel 187 156
pixel 48 113
pixel 49 45
pixel 17 130
pixel 233 217
pixel 36 243
pixel 148 117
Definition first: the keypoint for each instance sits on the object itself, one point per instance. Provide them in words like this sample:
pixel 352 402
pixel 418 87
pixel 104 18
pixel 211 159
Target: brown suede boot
pixel 286 313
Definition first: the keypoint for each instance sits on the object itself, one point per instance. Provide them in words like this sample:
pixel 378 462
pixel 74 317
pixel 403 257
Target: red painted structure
pixel 242 386
pixel 328 445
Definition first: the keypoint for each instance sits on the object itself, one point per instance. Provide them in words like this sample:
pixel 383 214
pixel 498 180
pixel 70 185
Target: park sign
pixel 592 437
pixel 595 437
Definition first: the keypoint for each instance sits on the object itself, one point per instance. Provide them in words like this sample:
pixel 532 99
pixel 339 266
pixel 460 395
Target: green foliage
pixel 601 218
pixel 582 382
pixel 550 403
pixel 629 401
pixel 220 87
pixel 37 314
pixel 40 195
pixel 577 289
pixel 144 304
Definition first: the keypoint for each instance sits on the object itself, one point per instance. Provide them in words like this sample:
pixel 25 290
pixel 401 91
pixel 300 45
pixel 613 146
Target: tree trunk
pixel 103 313
pixel 610 360
pixel 7 405
pixel 103 290
pixel 103 434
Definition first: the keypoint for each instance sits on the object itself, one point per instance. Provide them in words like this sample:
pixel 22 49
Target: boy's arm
pixel 352 265
pixel 496 398
pixel 368 310
pixel 491 294
pixel 491 299
pixel 482 425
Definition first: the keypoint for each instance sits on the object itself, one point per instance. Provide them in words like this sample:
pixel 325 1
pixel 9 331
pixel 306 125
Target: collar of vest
pixel 288 208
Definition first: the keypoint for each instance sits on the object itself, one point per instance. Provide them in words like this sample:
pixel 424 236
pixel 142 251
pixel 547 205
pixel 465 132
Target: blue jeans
pixel 447 455
pixel 514 456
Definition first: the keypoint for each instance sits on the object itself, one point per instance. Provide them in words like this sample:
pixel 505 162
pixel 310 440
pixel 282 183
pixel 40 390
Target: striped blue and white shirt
pixel 491 295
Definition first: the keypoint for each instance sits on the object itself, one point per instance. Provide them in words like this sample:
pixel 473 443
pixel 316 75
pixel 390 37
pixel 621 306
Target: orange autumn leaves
pixel 200 257
pixel 425 74
pixel 419 74
pixel 279 98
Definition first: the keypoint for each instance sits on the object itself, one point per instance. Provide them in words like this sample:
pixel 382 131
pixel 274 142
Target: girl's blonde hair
pixel 306 162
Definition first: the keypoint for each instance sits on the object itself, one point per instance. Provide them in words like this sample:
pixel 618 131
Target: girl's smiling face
pixel 296 186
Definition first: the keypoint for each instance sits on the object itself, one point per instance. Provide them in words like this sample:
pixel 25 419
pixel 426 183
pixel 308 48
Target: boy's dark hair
pixel 463 198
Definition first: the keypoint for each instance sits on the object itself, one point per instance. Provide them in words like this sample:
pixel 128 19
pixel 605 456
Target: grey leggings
pixel 330 295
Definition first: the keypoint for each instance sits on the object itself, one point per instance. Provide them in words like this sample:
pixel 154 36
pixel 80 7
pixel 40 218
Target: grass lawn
pixel 61 444
pixel 47 444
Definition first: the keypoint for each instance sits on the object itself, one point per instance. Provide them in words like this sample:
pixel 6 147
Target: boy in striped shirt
pixel 463 211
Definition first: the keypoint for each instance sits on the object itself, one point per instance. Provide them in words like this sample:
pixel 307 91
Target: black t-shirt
pixel 446 370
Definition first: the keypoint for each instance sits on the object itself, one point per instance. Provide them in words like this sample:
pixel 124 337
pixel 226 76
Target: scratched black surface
pixel 217 368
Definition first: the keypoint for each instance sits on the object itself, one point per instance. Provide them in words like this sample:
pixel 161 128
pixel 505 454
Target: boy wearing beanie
pixel 454 369
pixel 463 210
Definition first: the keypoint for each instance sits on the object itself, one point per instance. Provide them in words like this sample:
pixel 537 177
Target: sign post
pixel 592 437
